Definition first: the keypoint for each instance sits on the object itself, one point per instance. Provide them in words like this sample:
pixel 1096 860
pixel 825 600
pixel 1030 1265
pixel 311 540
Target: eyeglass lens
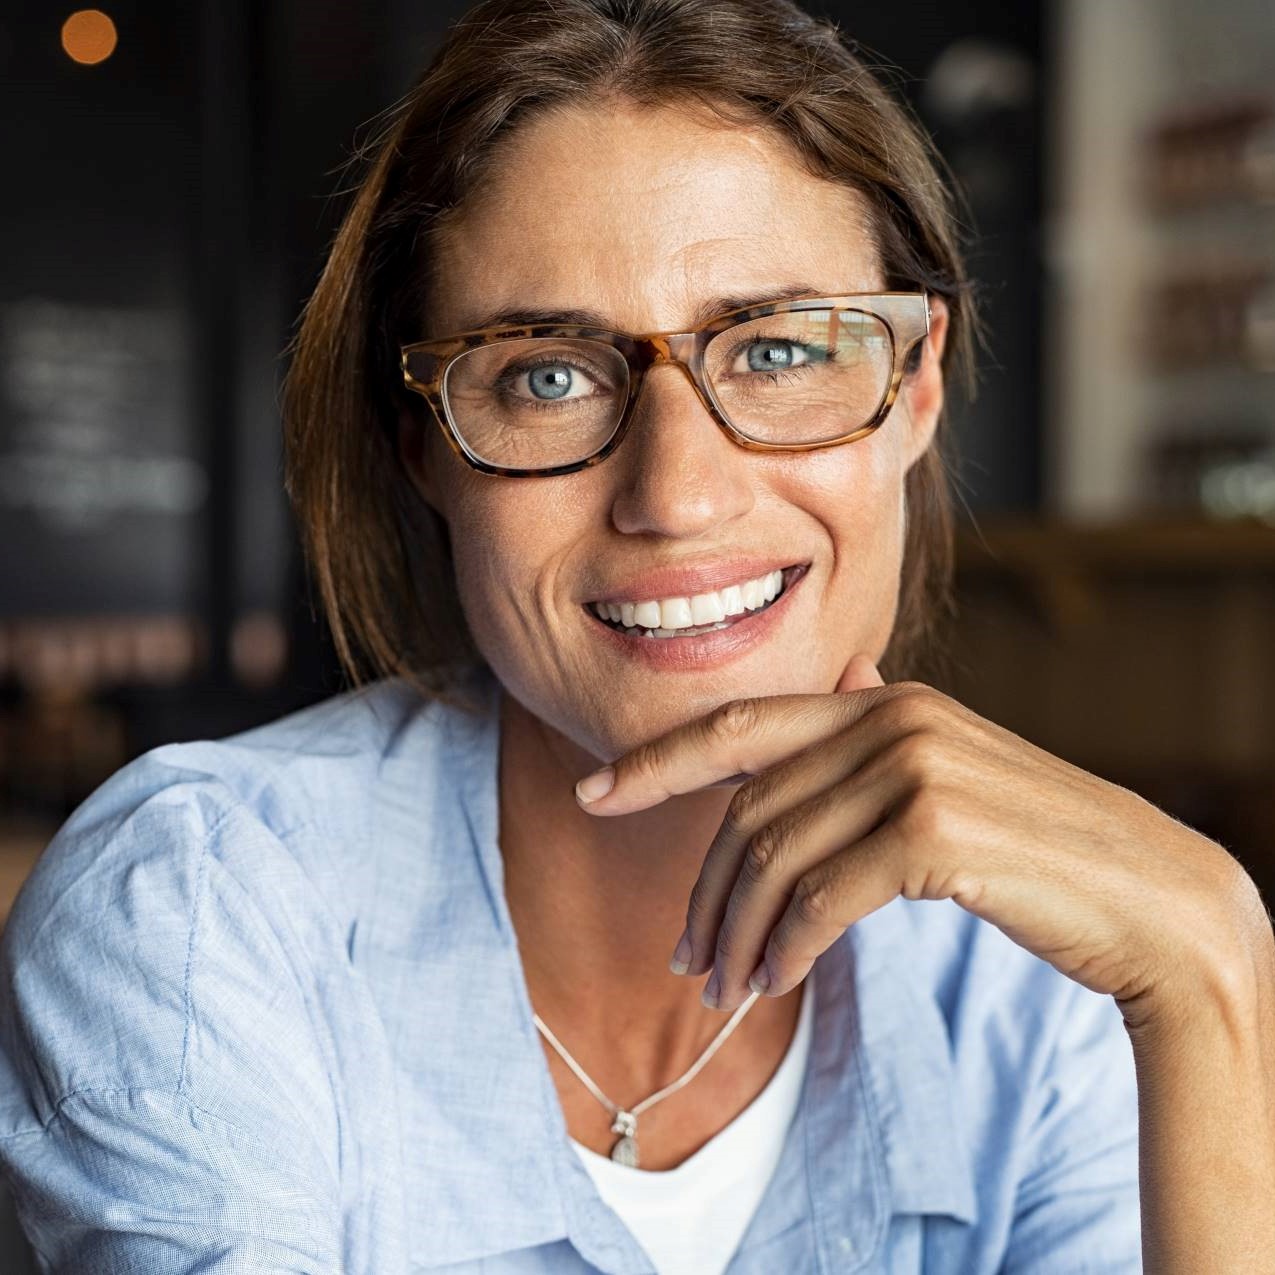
pixel 806 376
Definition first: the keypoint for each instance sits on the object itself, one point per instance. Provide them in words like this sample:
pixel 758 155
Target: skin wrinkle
pixel 640 213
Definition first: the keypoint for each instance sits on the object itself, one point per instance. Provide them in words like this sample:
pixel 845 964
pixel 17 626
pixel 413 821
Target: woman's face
pixel 644 216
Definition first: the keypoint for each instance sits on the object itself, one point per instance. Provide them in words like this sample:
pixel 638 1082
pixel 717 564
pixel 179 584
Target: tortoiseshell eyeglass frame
pixel 906 316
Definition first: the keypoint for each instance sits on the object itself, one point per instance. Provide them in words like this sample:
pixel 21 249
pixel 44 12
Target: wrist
pixel 1222 975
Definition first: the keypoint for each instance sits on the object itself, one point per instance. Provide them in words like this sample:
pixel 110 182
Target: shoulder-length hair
pixel 380 555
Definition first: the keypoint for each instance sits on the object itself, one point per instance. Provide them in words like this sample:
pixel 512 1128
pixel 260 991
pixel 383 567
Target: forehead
pixel 639 213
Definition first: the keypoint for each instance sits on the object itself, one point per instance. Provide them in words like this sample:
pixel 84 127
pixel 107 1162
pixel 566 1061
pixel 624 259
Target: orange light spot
pixel 89 36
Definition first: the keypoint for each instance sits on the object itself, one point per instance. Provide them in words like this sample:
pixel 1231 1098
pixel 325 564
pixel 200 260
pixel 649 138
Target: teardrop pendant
pixel 625 1150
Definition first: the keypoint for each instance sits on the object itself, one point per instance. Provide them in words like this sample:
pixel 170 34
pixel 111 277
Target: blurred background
pixel 176 175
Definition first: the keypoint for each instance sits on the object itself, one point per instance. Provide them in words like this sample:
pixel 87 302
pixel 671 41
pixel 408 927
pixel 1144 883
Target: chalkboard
pixel 100 492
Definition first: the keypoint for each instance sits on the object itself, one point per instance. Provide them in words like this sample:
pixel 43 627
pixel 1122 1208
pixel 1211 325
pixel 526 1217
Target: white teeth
pixel 707 608
pixel 676 614
pixel 665 617
pixel 647 615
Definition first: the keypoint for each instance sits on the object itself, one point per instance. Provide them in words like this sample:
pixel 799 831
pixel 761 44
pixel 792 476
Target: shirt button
pixel 843 1243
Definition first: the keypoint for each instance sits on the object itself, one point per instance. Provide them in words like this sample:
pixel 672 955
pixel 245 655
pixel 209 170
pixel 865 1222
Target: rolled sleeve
pixel 164 1104
pixel 141 1181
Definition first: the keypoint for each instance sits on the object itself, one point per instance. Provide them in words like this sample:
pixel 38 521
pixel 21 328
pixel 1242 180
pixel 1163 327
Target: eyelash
pixel 826 356
pixel 515 370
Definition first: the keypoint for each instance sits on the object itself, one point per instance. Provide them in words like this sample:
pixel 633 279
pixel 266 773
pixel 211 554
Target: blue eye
pixel 549 380
pixel 770 356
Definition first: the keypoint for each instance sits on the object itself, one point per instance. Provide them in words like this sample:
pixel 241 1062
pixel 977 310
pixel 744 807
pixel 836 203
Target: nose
pixel 676 349
pixel 677 474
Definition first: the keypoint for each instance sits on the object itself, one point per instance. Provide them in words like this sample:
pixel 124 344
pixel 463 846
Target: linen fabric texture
pixel 262 1009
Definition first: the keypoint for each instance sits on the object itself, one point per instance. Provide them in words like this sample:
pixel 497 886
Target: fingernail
pixel 596 785
pixel 760 980
pixel 712 990
pixel 681 960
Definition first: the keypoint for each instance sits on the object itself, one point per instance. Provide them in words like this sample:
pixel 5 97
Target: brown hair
pixel 380 555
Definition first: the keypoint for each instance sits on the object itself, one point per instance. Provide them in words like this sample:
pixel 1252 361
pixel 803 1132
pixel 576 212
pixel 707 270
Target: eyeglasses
pixel 520 402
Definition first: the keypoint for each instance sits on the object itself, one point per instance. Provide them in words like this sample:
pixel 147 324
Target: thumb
pixel 859 674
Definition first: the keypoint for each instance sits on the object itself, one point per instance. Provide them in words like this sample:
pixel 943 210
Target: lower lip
pixel 705 650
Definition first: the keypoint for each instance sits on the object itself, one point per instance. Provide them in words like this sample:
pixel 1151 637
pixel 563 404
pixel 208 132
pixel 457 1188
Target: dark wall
pixel 978 74
pixel 103 485
pixel 175 206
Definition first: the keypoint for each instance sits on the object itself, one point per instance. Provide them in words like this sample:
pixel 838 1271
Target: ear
pixel 413 454
pixel 923 390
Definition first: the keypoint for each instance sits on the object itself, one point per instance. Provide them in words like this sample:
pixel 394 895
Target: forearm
pixel 1205 1061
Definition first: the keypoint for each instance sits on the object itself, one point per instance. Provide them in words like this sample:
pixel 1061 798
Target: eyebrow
pixel 709 309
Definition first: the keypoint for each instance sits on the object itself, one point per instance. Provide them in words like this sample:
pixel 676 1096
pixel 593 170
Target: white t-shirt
pixel 690 1219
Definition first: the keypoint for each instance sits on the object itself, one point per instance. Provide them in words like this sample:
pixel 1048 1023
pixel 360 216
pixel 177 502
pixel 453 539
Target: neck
pixel 598 904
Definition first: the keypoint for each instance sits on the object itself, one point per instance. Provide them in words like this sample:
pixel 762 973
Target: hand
pixel 851 798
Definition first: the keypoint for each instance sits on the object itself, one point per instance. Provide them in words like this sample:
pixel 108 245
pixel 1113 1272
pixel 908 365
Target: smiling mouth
pixel 791 575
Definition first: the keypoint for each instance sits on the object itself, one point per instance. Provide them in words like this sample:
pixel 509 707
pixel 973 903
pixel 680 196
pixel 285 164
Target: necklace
pixel 625 1150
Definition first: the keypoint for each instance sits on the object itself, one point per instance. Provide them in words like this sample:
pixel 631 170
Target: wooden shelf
pixel 1171 544
pixel 1138 650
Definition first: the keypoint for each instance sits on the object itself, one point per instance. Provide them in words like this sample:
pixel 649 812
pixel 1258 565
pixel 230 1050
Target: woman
pixel 614 431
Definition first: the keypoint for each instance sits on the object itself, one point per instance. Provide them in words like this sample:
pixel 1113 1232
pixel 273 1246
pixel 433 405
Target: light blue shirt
pixel 263 1010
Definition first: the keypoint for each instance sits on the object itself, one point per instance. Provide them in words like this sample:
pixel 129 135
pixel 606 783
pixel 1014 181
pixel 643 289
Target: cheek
pixel 879 523
pixel 507 537
pixel 855 491
pixel 488 552
pixel 482 521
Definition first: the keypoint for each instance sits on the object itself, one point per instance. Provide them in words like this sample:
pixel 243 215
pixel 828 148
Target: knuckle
pixel 813 901
pixel 644 762
pixel 727 945
pixel 767 852
pixel 917 688
pixel 915 707
pixel 733 720
pixel 915 755
pixel 746 810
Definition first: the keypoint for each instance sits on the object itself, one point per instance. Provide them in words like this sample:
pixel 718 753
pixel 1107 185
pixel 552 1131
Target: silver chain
pixel 689 1075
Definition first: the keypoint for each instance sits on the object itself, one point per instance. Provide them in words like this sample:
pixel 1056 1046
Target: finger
pixel 828 900
pixel 859 674
pixel 783 853
pixel 764 799
pixel 739 737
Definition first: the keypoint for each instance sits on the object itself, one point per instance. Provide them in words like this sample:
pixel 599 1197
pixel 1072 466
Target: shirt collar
pixel 482 1128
